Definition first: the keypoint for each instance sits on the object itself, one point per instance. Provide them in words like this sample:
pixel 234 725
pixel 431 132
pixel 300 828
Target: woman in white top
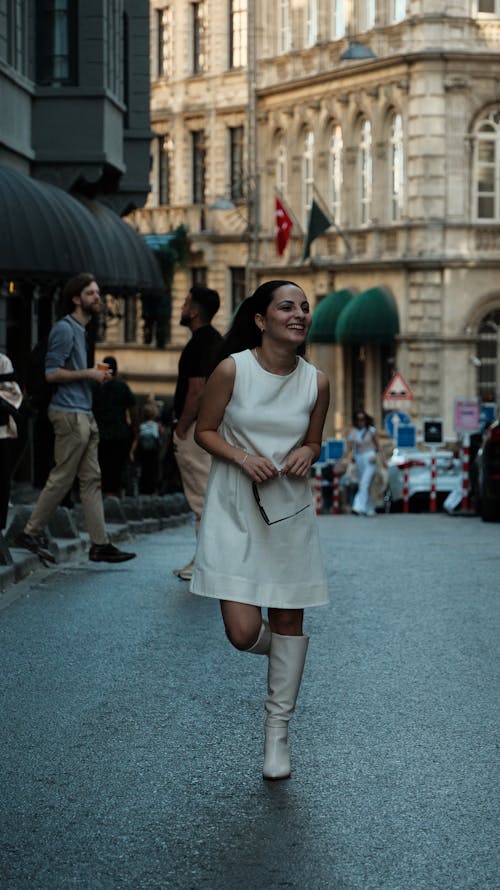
pixel 262 419
pixel 364 444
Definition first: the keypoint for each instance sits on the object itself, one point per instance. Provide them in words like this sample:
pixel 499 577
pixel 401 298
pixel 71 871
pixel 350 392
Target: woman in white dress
pixel 262 420
pixel 364 444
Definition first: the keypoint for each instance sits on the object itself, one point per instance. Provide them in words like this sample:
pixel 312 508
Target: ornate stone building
pixel 386 113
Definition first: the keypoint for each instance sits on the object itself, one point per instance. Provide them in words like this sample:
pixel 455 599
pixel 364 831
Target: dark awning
pixel 371 317
pixel 48 235
pixel 134 263
pixel 325 315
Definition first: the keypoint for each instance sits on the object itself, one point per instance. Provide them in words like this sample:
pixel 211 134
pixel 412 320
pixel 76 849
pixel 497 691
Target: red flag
pixel 283 226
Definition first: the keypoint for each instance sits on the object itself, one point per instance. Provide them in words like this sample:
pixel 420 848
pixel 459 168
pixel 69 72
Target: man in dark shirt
pixel 197 361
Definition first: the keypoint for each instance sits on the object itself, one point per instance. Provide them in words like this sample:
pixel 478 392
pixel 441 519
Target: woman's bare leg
pixel 287 622
pixel 242 622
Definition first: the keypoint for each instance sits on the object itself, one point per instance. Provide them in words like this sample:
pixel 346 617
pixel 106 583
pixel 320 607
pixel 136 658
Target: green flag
pixel 316 225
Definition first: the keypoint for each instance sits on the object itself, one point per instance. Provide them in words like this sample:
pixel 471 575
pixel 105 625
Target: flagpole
pixel 334 225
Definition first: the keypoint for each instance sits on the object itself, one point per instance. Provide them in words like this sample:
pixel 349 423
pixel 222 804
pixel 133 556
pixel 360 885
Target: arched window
pixel 308 173
pixel 365 172
pixel 281 166
pixel 367 14
pixel 487 167
pixel 397 168
pixel 338 19
pixel 284 38
pixel 311 34
pixel 336 173
pixel 488 352
pixel 398 10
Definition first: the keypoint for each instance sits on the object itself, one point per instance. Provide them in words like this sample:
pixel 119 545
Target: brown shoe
pixel 37 545
pixel 108 553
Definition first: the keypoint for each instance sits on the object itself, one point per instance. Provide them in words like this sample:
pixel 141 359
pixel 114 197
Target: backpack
pixel 38 390
pixel 148 441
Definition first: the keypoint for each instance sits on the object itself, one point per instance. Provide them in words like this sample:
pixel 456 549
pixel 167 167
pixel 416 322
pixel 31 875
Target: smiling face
pixel 288 316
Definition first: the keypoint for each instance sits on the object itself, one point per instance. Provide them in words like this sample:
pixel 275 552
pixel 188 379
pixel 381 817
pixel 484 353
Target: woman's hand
pixel 258 469
pixel 299 462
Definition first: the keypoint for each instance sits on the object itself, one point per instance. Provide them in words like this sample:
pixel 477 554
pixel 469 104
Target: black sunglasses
pixel 263 513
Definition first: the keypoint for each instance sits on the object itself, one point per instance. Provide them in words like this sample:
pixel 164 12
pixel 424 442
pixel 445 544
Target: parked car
pixel 448 476
pixel 487 466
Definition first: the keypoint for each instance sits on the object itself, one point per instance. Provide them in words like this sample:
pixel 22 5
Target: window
pixel 308 173
pixel 236 170
pixel 163 169
pixel 199 276
pixel 488 352
pixel 114 44
pixel 56 26
pixel 238 286
pixel 237 33
pixel 488 7
pixel 487 167
pixel 365 172
pixel 398 11
pixel 397 168
pixel 198 170
pixel 16 35
pixel 281 167
pixel 199 36
pixel 336 173
pixel 338 19
pixel 284 36
pixel 367 14
pixel 311 22
pixel 164 42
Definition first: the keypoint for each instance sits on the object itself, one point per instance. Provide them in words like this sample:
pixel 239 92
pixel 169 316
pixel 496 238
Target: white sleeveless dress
pixel 239 557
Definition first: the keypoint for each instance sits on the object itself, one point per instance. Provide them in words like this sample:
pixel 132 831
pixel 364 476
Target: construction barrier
pixel 465 473
pixel 433 491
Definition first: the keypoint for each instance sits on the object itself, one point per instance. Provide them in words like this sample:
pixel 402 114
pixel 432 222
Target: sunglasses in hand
pixel 263 513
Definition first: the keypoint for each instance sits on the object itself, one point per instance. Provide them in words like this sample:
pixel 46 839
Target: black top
pixel 198 359
pixel 111 402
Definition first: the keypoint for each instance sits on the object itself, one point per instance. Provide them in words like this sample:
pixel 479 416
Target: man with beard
pixel 197 361
pixel 75 429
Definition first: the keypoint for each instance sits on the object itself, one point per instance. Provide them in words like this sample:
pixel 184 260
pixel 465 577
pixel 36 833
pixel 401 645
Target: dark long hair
pixel 244 333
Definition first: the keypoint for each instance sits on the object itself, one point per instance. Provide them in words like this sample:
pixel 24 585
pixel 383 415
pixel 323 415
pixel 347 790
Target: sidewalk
pixel 67 535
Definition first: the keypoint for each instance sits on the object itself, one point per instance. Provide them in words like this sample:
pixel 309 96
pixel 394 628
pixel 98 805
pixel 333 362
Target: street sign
pixel 466 415
pixel 397 389
pixel 335 448
pixel 406 436
pixel 433 431
pixel 393 421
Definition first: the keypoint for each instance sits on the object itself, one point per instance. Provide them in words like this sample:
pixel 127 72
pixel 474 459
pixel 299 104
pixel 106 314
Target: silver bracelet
pixel 243 462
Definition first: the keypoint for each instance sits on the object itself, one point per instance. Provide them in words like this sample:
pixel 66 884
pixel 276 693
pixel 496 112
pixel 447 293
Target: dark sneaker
pixel 108 553
pixel 35 544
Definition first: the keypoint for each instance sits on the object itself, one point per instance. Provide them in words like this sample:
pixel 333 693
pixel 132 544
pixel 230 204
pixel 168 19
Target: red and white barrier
pixel 465 472
pixel 318 491
pixel 336 494
pixel 433 491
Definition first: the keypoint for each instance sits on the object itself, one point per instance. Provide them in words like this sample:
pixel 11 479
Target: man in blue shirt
pixel 75 428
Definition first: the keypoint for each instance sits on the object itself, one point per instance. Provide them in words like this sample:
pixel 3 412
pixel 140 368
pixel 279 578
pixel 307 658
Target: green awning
pixel 326 314
pixel 371 317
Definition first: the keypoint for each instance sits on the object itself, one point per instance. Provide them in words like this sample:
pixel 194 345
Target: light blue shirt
pixel 67 348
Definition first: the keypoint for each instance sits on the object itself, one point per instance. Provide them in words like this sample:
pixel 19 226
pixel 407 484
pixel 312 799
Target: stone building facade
pixel 387 114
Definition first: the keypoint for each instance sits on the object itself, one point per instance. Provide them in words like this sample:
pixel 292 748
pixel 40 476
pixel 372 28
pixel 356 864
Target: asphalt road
pixel 131 743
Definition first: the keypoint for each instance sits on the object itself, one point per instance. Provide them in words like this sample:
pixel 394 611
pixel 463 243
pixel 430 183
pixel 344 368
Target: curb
pixel 175 512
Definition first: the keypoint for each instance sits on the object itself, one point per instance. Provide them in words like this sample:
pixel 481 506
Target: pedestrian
pixel 196 363
pixel 75 428
pixel 261 420
pixel 146 449
pixel 10 401
pixel 114 409
pixel 363 446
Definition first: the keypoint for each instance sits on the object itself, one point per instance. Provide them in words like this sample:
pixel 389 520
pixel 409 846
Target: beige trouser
pixel 75 454
pixel 194 466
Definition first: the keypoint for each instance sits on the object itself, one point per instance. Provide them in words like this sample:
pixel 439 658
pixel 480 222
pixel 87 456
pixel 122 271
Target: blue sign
pixel 407 436
pixel 322 459
pixel 487 413
pixel 390 424
pixel 335 448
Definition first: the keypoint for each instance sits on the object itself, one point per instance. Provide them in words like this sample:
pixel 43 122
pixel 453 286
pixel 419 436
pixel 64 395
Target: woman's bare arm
pixel 299 461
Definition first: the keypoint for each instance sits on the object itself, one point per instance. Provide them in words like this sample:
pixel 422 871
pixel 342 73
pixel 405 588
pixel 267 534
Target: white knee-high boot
pixel 262 644
pixel 286 664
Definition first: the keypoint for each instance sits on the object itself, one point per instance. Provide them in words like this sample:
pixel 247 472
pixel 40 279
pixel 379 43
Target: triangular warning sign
pixel 397 388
